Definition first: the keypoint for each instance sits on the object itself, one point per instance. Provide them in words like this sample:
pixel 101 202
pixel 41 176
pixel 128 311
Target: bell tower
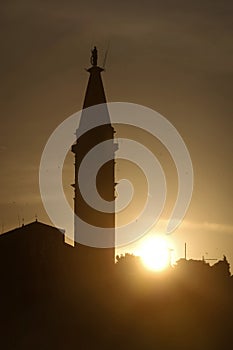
pixel 92 257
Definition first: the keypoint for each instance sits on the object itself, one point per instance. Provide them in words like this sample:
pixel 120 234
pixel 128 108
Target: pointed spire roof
pixel 95 90
pixel 95 94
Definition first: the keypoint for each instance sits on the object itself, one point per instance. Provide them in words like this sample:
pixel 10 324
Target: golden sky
pixel 175 57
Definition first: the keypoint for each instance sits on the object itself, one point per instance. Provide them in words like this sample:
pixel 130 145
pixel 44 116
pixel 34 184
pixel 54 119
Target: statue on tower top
pixel 94 56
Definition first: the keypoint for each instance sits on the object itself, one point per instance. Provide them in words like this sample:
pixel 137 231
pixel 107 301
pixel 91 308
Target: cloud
pixel 207 226
pixel 191 226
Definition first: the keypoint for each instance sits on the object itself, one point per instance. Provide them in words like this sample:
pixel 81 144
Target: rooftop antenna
pixel 18 219
pixel 15 204
pixel 105 56
pixel 170 250
pixel 208 259
pixel 36 217
pixel 185 251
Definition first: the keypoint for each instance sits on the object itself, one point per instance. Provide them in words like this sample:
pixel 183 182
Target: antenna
pixel 105 56
pixel 15 204
pixel 208 259
pixel 170 256
pixel 185 251
pixel 18 219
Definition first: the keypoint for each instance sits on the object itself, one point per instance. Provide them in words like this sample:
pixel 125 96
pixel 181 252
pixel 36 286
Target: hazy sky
pixel 173 56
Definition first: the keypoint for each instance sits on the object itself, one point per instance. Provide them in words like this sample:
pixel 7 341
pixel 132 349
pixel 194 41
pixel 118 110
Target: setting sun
pixel 155 253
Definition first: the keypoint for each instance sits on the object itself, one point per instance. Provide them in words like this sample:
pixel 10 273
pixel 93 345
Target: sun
pixel 155 253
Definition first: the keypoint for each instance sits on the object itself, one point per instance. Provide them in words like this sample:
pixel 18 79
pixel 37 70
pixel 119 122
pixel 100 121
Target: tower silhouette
pixel 90 256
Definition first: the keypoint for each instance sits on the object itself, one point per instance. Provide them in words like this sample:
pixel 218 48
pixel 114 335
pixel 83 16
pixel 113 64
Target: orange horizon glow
pixel 155 253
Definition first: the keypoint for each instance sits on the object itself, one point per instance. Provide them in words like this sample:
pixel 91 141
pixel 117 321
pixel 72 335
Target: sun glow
pixel 155 253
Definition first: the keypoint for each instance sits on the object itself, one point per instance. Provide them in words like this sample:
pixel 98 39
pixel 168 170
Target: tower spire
pixel 95 94
pixel 105 180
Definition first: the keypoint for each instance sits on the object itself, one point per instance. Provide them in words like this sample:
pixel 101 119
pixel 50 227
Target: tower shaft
pixel 92 257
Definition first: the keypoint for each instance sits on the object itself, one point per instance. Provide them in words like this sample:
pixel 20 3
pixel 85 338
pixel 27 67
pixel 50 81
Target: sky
pixel 175 57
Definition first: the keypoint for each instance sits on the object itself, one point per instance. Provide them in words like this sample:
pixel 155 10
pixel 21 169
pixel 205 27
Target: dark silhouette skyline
pixel 49 301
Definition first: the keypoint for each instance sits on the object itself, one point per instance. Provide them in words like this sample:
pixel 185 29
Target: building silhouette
pixel 56 296
pixel 36 242
pixel 101 256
